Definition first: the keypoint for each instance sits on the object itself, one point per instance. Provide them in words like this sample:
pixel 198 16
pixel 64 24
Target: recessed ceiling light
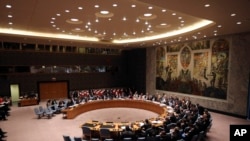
pixel 10 16
pixel 58 14
pixel 238 23
pixel 150 7
pixel 207 5
pixel 96 6
pixel 219 26
pixel 53 18
pixel 67 11
pixel 114 5
pixel 10 23
pixel 80 8
pixel 133 5
pixel 163 10
pixel 173 14
pixel 74 20
pixel 233 14
pixel 147 14
pixel 8 6
pixel 104 12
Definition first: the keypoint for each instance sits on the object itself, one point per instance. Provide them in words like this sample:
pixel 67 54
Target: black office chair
pixel 104 133
pixel 141 139
pixel 86 132
pixel 127 139
pixel 67 138
pixel 77 139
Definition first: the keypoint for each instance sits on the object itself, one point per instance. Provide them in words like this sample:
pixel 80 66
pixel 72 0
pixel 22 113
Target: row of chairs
pixel 41 112
pixel 104 135
pixel 68 138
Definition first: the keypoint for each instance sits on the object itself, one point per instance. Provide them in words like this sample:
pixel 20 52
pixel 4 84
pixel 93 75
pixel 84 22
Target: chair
pixel 104 133
pixel 77 139
pixel 127 139
pixel 41 109
pixel 109 140
pixel 51 109
pixel 48 113
pixel 201 136
pixel 141 138
pixel 38 112
pixel 86 132
pixel 67 138
pixel 195 137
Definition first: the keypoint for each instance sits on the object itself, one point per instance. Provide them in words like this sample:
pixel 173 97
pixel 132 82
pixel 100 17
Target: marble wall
pixel 239 71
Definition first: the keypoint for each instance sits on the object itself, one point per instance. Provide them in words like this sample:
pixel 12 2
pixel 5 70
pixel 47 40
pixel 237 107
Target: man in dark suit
pixel 128 133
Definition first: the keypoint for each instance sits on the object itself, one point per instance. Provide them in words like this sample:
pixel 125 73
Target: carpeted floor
pixel 23 125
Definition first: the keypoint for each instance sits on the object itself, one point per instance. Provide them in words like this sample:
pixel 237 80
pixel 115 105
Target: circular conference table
pixel 116 127
pixel 73 111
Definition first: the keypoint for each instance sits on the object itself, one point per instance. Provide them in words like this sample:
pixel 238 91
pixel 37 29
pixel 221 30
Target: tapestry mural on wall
pixel 197 68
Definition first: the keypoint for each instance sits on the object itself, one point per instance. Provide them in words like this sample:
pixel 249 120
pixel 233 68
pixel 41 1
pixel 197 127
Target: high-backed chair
pixel 77 139
pixel 141 139
pixel 127 139
pixel 104 133
pixel 86 132
pixel 38 112
pixel 48 113
pixel 67 138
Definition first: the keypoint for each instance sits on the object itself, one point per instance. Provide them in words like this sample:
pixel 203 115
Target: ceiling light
pixel 10 23
pixel 173 14
pixel 195 26
pixel 147 14
pixel 133 6
pixel 233 14
pixel 207 5
pixel 124 18
pixel 219 26
pixel 163 10
pixel 10 16
pixel 74 20
pixel 80 8
pixel 150 7
pixel 238 23
pixel 114 5
pixel 96 6
pixel 67 11
pixel 8 6
pixel 137 20
pixel 53 18
pixel 104 12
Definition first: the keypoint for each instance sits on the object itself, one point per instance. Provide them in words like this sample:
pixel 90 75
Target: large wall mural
pixel 197 68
